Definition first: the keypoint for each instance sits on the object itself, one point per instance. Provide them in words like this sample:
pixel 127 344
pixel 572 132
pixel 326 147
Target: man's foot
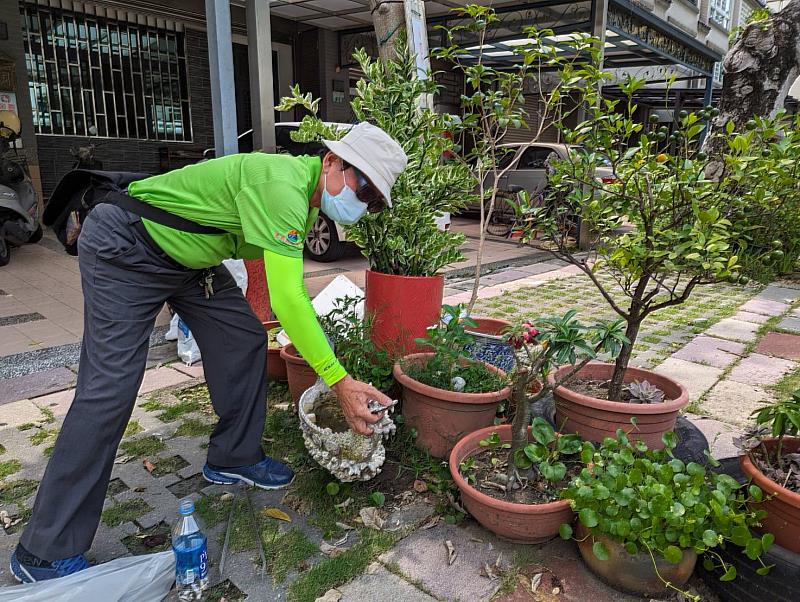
pixel 28 568
pixel 267 474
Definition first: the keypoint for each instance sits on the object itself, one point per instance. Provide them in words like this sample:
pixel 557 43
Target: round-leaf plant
pixel 650 501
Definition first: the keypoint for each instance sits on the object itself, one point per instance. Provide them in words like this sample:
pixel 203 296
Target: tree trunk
pixel 389 21
pixel 621 365
pixel 759 70
pixel 519 424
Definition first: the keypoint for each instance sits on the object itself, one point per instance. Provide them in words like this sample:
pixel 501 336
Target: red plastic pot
pixel 594 419
pixel 520 523
pixel 442 417
pixel 491 326
pixel 404 307
pixel 782 506
pixel 276 366
pixel 299 374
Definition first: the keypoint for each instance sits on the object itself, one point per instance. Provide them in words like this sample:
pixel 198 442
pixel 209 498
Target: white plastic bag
pixel 172 333
pixel 131 579
pixel 188 350
pixel 238 271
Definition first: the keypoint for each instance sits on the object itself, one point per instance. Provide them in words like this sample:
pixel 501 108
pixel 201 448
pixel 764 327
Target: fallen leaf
pixel 277 514
pixel 344 526
pixel 329 550
pixel 122 459
pixel 226 496
pixel 156 540
pixel 488 572
pixel 344 504
pixel 454 503
pixel 139 489
pixel 332 595
pixel 451 552
pixel 341 541
pixel 420 486
pixel 536 581
pixel 371 518
pixel 149 466
pixel 432 522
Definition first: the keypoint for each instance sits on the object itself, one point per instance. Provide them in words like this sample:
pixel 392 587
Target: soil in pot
pixel 476 376
pixel 784 470
pixel 598 389
pixel 329 414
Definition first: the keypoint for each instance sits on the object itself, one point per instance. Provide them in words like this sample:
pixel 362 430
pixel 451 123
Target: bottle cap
pixel 187 507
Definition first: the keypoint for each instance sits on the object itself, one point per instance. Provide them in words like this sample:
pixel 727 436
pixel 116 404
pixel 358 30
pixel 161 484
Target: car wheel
pixel 36 236
pixel 5 252
pixel 322 242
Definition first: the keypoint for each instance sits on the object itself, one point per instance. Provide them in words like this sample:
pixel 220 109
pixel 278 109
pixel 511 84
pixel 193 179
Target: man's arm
pixel 292 306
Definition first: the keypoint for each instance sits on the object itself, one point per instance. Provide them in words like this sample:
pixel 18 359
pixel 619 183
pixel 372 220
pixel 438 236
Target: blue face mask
pixel 343 208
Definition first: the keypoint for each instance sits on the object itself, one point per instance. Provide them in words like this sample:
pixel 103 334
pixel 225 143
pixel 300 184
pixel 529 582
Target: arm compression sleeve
pixel 292 306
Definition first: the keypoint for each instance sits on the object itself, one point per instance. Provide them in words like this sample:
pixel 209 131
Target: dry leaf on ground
pixel 371 518
pixel 332 595
pixel 226 496
pixel 420 486
pixel 329 550
pixel 451 552
pixel 277 514
pixel 344 526
pixel 149 466
pixel 536 581
pixel 432 522
pixel 122 459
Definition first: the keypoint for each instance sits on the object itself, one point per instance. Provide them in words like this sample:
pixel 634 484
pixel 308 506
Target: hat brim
pixel 344 152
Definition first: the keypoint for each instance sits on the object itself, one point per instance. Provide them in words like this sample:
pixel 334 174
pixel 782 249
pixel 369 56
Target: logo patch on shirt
pixel 292 237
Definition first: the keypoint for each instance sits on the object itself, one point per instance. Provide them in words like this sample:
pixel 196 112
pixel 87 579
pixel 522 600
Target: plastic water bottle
pixel 191 555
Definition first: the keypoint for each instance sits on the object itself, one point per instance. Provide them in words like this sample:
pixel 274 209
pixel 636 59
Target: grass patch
pixel 169 465
pixel 212 509
pixel 286 551
pixel 336 571
pixel 652 339
pixel 132 429
pixel 192 427
pixel 48 451
pixel 785 388
pixel 224 591
pixel 16 492
pixel 171 412
pixel 42 435
pixel 9 467
pixel 2 449
pixel 49 416
pixel 27 426
pixel 146 446
pixel 124 512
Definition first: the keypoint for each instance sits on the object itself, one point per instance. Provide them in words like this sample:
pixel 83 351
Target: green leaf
pixel 631 548
pixel 588 517
pixel 766 541
pixel 553 472
pixel 600 550
pixel 673 554
pixel 755 492
pixel 521 459
pixel 542 431
pixel 708 564
pixel 753 548
pixel 730 574
pixel 378 498
pixel 764 570
pixel 332 488
pixel 565 531
pixel 710 538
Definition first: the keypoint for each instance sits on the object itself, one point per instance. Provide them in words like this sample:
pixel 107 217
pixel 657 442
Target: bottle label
pixel 191 564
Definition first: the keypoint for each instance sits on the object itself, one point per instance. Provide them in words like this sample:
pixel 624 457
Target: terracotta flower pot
pixel 299 374
pixel 404 307
pixel 442 417
pixel 520 523
pixel 782 506
pixel 276 366
pixel 633 573
pixel 593 418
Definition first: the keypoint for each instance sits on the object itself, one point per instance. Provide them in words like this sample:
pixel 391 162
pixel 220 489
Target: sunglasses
pixel 366 192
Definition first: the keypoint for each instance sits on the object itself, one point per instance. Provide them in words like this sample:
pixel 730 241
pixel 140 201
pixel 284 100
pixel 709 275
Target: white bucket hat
pixel 374 153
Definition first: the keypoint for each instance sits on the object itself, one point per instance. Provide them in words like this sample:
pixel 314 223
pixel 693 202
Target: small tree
pixel 660 228
pixel 495 97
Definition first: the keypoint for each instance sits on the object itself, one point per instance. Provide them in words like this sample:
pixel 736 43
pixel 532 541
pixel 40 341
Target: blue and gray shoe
pixel 267 474
pixel 28 568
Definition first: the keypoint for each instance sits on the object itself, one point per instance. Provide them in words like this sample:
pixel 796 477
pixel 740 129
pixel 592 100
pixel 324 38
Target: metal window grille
pixel 718 72
pixel 127 80
pixel 720 12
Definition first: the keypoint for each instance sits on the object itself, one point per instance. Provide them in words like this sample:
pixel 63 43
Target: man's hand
pixel 353 398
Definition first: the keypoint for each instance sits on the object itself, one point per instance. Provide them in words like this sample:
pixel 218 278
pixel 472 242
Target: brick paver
pixel 761 370
pixel 711 351
pixel 782 345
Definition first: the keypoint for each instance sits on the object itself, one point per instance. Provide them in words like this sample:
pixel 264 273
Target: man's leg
pixel 233 345
pixel 121 301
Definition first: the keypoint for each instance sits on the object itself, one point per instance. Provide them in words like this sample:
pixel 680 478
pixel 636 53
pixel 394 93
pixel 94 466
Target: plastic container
pixel 190 546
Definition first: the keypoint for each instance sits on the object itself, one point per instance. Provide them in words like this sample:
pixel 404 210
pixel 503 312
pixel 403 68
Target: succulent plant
pixel 643 392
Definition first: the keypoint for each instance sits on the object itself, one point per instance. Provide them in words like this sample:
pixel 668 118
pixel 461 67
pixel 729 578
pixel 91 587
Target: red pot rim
pixel 450 396
pixel 469 444
pixel 621 407
pixel 763 481
pixel 490 326
pixel 382 274
pixel 290 355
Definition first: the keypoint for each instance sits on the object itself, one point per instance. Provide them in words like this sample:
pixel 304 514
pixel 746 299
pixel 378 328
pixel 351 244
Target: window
pixel 125 80
pixel 718 73
pixel 535 157
pixel 744 14
pixel 720 12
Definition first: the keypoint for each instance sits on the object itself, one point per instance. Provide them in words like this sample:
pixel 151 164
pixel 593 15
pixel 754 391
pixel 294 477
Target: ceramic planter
pixel 442 417
pixel 404 308
pixel 276 365
pixel 594 419
pixel 782 506
pixel 634 573
pixel 520 523
pixel 489 345
pixel 299 374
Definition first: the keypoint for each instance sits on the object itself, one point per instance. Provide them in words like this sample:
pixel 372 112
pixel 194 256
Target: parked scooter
pixel 19 206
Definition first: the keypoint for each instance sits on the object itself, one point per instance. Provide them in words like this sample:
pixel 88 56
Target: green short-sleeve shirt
pixel 259 199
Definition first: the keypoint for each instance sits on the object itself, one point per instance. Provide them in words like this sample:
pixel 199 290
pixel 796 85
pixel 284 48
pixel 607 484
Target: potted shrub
pixel 659 228
pixel 445 393
pixel 773 464
pixel 276 365
pixel 644 516
pixel 511 476
pixel 405 247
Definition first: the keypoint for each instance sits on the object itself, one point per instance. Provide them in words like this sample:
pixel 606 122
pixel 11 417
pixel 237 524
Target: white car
pixel 326 240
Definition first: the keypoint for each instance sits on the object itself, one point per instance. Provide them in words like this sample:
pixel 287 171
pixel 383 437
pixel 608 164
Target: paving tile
pixel 761 370
pixel 791 323
pixel 697 378
pixel 159 378
pixel 719 435
pixel 710 351
pixel 376 583
pixel 16 413
pixel 733 402
pixel 747 316
pixel 779 344
pixel 735 330
pixel 765 307
pixel 36 384
pixel 781 294
pixel 195 370
pixel 58 403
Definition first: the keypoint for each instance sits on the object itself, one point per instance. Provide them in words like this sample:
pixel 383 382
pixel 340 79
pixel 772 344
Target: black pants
pixel 125 283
